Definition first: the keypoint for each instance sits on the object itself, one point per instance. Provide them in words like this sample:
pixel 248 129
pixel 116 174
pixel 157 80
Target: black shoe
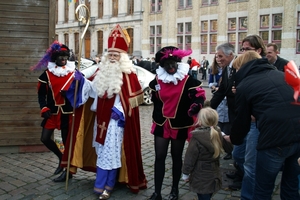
pixel 63 177
pixel 173 195
pixel 235 186
pixel 58 170
pixel 228 156
pixel 231 175
pixel 155 196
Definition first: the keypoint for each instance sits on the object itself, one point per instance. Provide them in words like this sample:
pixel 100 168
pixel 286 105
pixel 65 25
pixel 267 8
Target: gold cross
pixel 115 35
pixel 102 127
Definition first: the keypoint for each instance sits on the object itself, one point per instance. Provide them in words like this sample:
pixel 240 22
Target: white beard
pixel 109 78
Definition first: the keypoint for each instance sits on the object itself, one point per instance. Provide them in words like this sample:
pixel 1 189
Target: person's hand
pixel 227 138
pixel 194 109
pixel 233 89
pixel 47 114
pixel 185 177
pixel 77 75
pixel 299 161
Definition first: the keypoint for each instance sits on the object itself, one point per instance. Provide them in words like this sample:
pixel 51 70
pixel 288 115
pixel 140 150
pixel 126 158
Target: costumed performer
pixel 177 98
pixel 55 108
pixel 116 125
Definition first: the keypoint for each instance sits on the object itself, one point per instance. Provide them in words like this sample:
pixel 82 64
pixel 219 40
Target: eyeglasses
pixel 246 49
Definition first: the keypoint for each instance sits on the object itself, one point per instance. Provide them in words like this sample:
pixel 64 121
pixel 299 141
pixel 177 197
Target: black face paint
pixel 61 60
pixel 170 66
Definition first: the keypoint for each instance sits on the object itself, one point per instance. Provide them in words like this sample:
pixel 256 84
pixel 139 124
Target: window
pixel 114 8
pixel 76 35
pixel 152 45
pixel 158 43
pixel 100 8
pixel 180 42
pixel 298 42
pixel 271 32
pixel 130 33
pixel 213 43
pixel 241 37
pixel 204 26
pixel 100 42
pixel 237 31
pixel 213 35
pixel 66 11
pixel 204 44
pixel 208 36
pixel 156 6
pixel 130 7
pixel 182 4
pixel 155 38
pixel 188 42
pixel 152 30
pixel 158 30
pixel 66 39
pixel 88 4
pixel 264 21
pixel 243 23
pixel 265 36
pixel 277 20
pixel 213 26
pixel 184 35
pixel 232 24
pixel 180 28
pixel 188 28
pixel 209 2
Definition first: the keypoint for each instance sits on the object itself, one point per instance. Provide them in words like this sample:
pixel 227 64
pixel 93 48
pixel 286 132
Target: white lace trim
pixel 61 71
pixel 165 77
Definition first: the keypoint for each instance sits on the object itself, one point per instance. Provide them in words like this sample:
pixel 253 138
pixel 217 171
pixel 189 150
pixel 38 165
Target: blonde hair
pixel 208 117
pixel 244 58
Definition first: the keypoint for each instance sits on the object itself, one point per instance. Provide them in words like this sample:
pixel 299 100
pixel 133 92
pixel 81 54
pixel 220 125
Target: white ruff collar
pixel 61 71
pixel 165 77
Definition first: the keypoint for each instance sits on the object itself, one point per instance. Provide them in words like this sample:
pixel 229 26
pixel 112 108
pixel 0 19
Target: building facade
pixel 199 25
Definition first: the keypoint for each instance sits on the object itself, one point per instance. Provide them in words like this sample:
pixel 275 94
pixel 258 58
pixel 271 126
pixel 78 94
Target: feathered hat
pixel 172 53
pixel 118 40
pixel 56 49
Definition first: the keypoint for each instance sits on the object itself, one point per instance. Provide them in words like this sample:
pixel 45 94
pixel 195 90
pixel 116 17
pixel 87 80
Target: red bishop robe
pixel 84 156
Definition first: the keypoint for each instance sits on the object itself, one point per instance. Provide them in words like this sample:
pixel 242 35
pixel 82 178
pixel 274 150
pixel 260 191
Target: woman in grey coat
pixel 201 162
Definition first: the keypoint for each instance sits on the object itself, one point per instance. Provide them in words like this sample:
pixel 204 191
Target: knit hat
pixel 171 53
pixel 56 49
pixel 118 40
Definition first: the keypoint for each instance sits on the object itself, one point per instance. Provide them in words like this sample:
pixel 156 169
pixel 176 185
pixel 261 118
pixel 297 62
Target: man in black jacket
pixel 263 93
pixel 273 58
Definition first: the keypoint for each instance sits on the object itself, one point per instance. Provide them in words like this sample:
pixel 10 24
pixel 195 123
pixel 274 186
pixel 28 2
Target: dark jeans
pixel 268 164
pixel 194 74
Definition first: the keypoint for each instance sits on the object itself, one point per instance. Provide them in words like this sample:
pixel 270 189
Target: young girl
pixel 201 162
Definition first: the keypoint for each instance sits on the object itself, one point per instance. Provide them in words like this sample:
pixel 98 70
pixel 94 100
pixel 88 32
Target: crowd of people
pixel 244 119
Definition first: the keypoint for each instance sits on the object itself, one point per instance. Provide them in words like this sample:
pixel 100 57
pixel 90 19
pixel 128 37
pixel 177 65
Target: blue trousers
pixel 105 179
pixel 268 164
pixel 248 182
pixel 238 154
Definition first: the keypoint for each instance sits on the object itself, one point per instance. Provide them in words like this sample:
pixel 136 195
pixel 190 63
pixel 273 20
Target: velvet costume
pixel 184 95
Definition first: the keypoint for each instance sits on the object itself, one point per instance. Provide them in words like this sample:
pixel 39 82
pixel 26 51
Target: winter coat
pixel 261 91
pixel 205 176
